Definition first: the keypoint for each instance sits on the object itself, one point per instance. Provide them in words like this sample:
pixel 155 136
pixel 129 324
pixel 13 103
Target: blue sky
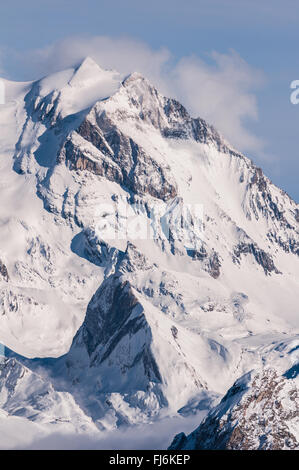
pixel 229 61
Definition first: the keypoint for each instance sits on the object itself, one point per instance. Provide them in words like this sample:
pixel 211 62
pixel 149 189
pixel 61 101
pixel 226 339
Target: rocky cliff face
pixel 3 271
pixel 259 412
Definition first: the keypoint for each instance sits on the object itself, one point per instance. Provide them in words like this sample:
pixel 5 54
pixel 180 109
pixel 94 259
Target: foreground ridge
pixel 259 412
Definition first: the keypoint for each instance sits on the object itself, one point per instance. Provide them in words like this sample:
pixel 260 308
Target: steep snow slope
pixel 25 394
pixel 46 290
pixel 126 217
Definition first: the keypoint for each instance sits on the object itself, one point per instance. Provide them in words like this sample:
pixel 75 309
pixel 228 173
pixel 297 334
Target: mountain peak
pixel 88 61
pixel 87 70
pixel 134 76
pixel 75 89
pixel 137 80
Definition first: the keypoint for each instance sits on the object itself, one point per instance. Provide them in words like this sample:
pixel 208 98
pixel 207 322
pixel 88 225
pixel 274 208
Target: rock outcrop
pixel 259 412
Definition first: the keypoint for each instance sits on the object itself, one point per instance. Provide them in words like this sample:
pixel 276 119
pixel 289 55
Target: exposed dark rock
pixel 259 179
pixel 88 245
pixel 253 415
pixel 130 166
pixel 292 372
pixel 200 254
pixel 210 260
pixel 214 265
pixel 3 271
pixel 150 365
pixel 288 245
pixel 133 260
pixel 261 257
pixel 174 331
pixel 77 159
pixel 107 312
pixel 92 133
pixel 263 201
pixel 182 126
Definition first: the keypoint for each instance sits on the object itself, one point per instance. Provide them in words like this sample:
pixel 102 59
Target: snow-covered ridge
pixel 260 412
pixel 25 394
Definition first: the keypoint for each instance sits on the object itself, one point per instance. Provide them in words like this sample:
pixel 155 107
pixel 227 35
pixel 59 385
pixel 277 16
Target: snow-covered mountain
pixel 150 260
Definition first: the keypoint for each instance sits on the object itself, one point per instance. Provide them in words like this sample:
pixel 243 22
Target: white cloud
pixel 123 54
pixel 220 89
pixel 221 92
pixel 158 435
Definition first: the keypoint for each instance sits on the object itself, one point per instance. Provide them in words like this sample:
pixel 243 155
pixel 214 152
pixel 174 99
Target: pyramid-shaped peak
pixel 87 70
pixel 88 62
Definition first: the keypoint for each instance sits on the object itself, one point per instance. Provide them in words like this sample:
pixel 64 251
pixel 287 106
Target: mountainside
pixel 25 394
pixel 151 261
pixel 260 412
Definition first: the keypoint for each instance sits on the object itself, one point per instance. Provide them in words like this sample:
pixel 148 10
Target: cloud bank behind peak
pixel 219 88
